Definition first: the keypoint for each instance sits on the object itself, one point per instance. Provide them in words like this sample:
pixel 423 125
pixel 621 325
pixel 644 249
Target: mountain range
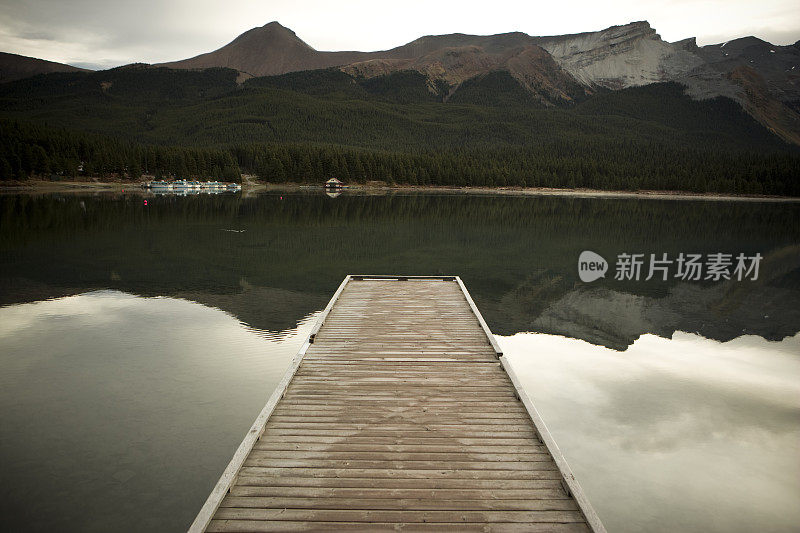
pixel 763 78
pixel 555 70
pixel 617 109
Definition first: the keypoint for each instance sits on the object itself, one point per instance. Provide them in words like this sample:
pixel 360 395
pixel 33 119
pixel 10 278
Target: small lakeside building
pixel 333 183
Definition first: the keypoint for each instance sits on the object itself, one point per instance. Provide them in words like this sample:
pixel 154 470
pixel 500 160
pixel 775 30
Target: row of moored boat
pixel 188 185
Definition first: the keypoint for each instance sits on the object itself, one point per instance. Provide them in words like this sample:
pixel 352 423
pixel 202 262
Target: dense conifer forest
pixel 308 126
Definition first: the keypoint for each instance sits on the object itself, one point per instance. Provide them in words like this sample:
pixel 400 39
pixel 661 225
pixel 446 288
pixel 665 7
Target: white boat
pixel 159 185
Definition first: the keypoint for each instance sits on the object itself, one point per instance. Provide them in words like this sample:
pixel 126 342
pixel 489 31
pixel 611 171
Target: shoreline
pixel 250 186
pixel 596 193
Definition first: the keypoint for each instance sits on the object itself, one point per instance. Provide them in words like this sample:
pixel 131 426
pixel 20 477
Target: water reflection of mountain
pixel 721 311
pixel 263 308
pixel 517 254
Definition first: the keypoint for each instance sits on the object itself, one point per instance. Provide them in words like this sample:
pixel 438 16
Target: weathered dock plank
pixel 400 413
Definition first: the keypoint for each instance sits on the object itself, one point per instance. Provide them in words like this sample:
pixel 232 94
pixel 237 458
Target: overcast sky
pixel 105 33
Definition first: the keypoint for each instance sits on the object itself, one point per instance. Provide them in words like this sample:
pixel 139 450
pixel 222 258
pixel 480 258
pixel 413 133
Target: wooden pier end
pixel 398 413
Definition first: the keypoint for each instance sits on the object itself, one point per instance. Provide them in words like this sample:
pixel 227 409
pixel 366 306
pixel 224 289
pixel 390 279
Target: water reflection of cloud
pixel 116 325
pixel 109 307
pixel 675 411
pixel 682 434
pixel 97 305
pixel 137 392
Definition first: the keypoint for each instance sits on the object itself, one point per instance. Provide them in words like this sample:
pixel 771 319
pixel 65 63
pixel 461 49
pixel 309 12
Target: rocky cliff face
pixel 621 56
pixel 532 67
pixel 764 78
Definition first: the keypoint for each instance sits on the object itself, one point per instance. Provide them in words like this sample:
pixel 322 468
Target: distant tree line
pixel 622 166
pixel 28 150
pixel 308 126
pixel 395 113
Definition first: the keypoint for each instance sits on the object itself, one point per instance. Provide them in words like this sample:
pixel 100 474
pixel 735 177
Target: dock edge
pixel 228 477
pixel 567 477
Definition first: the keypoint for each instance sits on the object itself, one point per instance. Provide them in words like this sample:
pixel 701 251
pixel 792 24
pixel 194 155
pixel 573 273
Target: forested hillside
pixel 307 126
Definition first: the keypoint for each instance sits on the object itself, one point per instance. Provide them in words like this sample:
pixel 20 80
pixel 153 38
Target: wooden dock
pixel 399 413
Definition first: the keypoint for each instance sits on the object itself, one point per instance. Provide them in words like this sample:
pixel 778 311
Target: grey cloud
pixel 156 31
pixel 659 446
pixel 39 36
pixel 130 31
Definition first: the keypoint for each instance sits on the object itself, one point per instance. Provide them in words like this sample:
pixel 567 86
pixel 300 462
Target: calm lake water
pixel 138 343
